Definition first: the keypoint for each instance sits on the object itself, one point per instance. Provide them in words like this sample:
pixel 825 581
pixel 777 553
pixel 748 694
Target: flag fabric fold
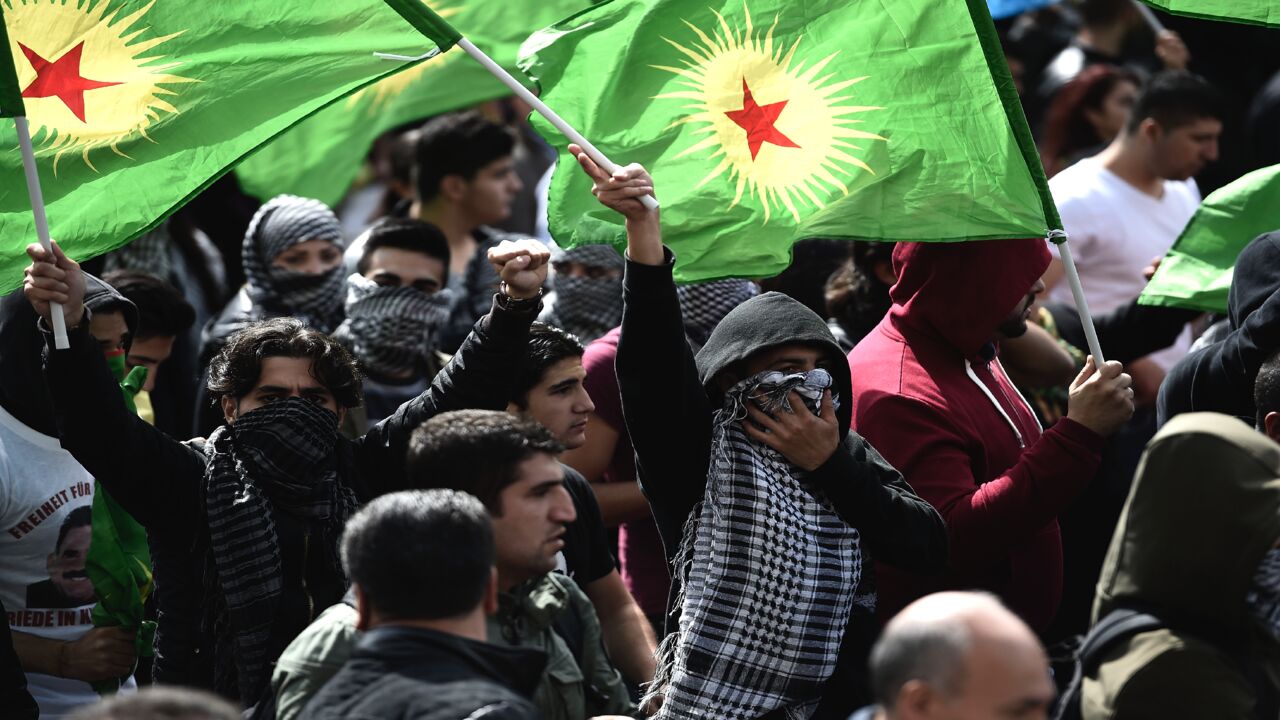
pixel 1252 12
pixel 765 122
pixel 1196 273
pixel 138 105
pixel 321 157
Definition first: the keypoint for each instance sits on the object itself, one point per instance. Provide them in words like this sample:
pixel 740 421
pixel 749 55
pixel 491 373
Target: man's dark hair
pixel 420 554
pixel 1266 388
pixel 80 517
pixel 405 234
pixel 547 346
pixel 237 367
pixel 475 451
pixel 1175 99
pixel 1095 13
pixel 160 703
pixel 162 310
pixel 457 144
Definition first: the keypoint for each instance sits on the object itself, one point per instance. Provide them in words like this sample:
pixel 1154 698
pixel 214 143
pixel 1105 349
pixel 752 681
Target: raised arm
pixel 155 478
pixel 663 403
pixel 478 376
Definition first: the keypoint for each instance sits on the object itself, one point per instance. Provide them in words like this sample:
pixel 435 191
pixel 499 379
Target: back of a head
pixel 1103 13
pixel 1174 99
pixel 1257 278
pixel 160 703
pixel 932 642
pixel 457 144
pixel 162 310
pixel 475 451
pixel 547 346
pixel 405 234
pixel 420 554
pixel 1266 394
pixel 236 368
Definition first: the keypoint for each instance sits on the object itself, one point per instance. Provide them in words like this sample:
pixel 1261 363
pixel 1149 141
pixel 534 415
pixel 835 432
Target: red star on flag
pixel 759 122
pixel 61 78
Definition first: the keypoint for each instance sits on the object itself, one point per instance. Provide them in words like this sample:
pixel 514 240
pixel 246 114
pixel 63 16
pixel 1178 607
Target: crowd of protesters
pixel 407 458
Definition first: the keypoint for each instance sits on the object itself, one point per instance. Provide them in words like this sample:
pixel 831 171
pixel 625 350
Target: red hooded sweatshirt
pixel 930 395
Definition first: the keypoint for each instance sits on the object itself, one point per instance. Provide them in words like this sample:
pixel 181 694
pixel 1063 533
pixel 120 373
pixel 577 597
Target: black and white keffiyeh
pixel 285 221
pixel 703 305
pixel 768 573
pixel 392 330
pixel 279 457
pixel 585 306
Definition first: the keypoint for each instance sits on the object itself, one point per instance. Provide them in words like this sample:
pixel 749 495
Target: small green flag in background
pixel 321 157
pixel 1196 273
pixel 1253 12
pixel 769 121
pixel 137 105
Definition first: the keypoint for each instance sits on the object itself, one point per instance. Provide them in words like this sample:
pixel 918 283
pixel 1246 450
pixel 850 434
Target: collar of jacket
pixel 532 606
pixel 517 668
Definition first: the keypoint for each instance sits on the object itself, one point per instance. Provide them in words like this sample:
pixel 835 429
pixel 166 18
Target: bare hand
pixel 54 278
pixel 1172 51
pixel 102 653
pixel 620 191
pixel 805 439
pixel 1101 400
pixel 522 265
pixel 1149 271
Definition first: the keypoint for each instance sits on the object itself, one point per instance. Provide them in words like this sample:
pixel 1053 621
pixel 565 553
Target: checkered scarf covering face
pixel 281 223
pixel 392 330
pixel 586 307
pixel 280 458
pixel 704 305
pixel 768 572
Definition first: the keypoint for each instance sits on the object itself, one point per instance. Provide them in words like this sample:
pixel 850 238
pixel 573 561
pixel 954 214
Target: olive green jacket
pixel 568 691
pixel 1203 510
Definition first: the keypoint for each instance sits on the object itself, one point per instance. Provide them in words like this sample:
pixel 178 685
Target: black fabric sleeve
pixel 593 560
pixel 477 377
pixel 664 405
pixel 155 478
pixel 898 527
pixel 1127 333
pixel 1220 377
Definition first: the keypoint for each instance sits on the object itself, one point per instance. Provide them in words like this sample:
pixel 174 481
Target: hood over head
pixel 963 291
pixel 767 321
pixel 1203 510
pixel 101 297
pixel 1257 277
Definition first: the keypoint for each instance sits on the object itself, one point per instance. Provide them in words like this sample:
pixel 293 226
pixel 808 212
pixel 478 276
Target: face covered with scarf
pixel 313 295
pixel 588 291
pixel 735 651
pixel 392 330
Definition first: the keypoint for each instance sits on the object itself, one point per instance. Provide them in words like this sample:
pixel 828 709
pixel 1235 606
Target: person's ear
pixel 915 700
pixel 364 613
pixel 228 408
pixel 491 593
pixel 1150 130
pixel 1271 425
pixel 453 187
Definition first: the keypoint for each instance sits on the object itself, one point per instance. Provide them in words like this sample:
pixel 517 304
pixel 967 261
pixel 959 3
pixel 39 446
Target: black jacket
pixel 418 674
pixel 1219 378
pixel 160 482
pixel 667 403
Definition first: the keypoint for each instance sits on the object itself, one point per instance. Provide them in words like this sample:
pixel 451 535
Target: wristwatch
pixel 506 302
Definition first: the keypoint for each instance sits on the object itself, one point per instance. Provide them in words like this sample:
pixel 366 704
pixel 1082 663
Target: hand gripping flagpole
pixel 42 223
pixel 1059 238
pixel 523 93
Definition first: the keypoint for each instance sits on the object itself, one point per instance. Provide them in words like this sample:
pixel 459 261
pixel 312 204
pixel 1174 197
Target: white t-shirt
pixel 46 499
pixel 1115 230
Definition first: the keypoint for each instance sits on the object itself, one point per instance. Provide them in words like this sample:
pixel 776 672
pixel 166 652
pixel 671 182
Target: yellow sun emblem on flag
pixel 781 129
pixel 381 92
pixel 85 77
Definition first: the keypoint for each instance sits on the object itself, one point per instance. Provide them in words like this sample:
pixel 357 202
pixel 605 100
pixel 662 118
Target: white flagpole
pixel 523 93
pixel 1152 21
pixel 42 223
pixel 1059 238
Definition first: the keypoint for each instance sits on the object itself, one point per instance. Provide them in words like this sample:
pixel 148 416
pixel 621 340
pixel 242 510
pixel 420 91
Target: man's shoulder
pixel 327 641
pixel 1085 178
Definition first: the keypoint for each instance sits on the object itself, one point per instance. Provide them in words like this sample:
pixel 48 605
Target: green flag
pixel 137 105
pixel 769 121
pixel 322 156
pixel 1197 272
pixel 1253 12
